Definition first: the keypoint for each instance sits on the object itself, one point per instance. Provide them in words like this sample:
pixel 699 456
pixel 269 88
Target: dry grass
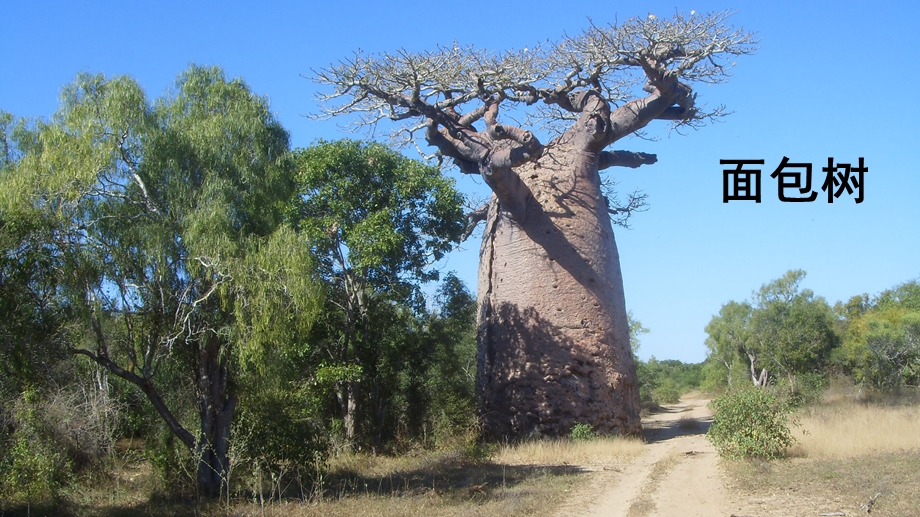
pixel 852 430
pixel 849 422
pixel 540 494
pixel 823 486
pixel 528 478
pixel 531 478
pixel 852 451
pixel 605 451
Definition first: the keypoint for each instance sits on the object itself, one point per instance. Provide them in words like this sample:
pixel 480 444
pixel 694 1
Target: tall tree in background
pixel 553 335
pixel 30 341
pixel 166 219
pixel 881 342
pixel 729 337
pixel 786 331
pixel 793 330
pixel 377 221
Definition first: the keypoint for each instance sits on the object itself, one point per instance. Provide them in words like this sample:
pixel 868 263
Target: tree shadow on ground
pixel 153 508
pixel 659 431
pixel 447 477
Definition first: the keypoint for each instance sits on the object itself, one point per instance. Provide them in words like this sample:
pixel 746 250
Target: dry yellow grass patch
pixel 854 452
pixel 847 430
pixel 603 451
pixel 440 484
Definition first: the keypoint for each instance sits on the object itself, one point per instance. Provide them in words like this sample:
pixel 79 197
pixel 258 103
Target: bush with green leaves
pixel 33 468
pixel 664 381
pixel 666 392
pixel 751 423
pixel 582 432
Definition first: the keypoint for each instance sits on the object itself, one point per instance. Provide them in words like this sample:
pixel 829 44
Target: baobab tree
pixel 553 332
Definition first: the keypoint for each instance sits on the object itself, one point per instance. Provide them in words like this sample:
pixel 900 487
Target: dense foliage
pixel 664 381
pixel 376 221
pixel 172 272
pixel 789 336
pixel 751 423
pixel 787 331
pixel 881 338
pixel 781 349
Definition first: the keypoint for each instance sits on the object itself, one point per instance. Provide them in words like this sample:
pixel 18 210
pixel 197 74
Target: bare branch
pixel 474 218
pixel 624 159
pixel 449 89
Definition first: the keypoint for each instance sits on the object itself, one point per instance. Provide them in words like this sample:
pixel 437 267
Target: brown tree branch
pixel 474 218
pixel 436 84
pixel 624 159
pixel 149 390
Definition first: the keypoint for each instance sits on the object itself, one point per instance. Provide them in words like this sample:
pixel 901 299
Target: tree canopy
pixel 377 222
pixel 165 219
pixel 643 68
pixel 786 330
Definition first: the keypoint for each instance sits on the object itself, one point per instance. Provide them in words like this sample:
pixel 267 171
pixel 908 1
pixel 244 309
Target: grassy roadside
pixel 528 478
pixel 849 453
pixel 801 486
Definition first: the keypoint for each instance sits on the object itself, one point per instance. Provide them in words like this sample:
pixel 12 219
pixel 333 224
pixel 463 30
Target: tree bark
pixel 216 407
pixel 760 380
pixel 553 333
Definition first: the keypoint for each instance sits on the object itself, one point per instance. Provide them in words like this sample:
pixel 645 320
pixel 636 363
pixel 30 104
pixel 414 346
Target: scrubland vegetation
pixel 819 406
pixel 847 424
pixel 195 318
pixel 855 450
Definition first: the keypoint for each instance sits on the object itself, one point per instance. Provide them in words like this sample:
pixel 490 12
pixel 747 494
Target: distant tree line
pixel 789 335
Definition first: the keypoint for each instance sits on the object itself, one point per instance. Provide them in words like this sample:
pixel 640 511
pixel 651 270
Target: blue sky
pixel 826 82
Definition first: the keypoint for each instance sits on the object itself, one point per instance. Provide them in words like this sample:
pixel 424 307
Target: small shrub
pixel 750 423
pixel 173 466
pixel 666 393
pixel 582 432
pixel 688 423
pixel 478 452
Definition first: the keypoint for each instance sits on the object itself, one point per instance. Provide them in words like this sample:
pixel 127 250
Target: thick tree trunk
pixel 216 407
pixel 553 333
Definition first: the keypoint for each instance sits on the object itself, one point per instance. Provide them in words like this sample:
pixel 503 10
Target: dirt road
pixel 677 474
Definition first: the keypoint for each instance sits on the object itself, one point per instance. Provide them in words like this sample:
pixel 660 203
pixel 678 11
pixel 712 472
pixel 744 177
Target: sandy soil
pixel 678 474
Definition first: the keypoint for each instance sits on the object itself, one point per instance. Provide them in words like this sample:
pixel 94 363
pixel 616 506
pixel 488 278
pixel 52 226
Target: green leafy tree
pixel 894 343
pixel 905 296
pixel 30 342
pixel 881 344
pixel 635 331
pixel 166 219
pixel 729 336
pixel 450 378
pixel 664 381
pixel 793 330
pixel 786 329
pixel 377 221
